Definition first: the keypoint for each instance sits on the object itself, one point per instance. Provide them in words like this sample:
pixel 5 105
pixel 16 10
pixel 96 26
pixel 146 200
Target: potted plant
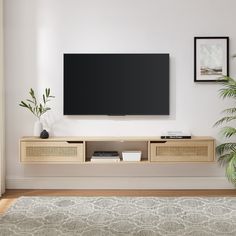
pixel 37 108
pixel 227 151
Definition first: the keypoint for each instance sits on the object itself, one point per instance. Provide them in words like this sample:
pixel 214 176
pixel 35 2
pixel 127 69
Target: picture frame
pixel 211 58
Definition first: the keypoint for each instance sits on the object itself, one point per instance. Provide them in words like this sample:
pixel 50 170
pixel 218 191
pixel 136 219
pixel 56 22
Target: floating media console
pixel 79 150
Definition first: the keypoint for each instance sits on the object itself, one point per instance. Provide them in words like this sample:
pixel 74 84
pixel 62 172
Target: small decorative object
pixel 227 151
pixel 131 155
pixel 38 109
pixel 211 58
pixel 44 134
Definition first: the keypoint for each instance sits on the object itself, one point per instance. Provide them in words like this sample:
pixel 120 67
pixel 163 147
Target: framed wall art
pixel 211 58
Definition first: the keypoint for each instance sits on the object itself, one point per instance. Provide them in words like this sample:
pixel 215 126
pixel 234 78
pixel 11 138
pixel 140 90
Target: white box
pixel 131 155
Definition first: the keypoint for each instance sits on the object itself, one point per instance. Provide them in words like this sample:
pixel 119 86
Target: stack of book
pixel 176 135
pixel 105 156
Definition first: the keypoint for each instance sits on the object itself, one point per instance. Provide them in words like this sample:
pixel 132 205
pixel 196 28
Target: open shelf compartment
pixel 118 146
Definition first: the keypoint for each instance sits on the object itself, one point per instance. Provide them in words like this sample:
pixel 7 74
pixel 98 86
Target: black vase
pixel 44 134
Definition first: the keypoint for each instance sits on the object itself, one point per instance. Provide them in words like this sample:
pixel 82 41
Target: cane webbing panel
pixel 51 151
pixel 182 151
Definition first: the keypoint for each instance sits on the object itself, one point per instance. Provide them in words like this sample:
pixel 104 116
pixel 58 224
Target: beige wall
pixel 2 174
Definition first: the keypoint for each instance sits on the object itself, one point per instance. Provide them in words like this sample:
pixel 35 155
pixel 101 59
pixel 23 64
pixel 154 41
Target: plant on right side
pixel 227 151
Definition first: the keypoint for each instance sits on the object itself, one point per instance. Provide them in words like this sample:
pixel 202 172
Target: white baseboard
pixel 118 183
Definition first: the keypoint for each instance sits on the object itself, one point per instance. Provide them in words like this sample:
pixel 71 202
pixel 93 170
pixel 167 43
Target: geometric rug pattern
pixel 120 216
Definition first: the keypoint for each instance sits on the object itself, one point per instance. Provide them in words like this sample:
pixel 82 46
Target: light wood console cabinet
pixel 78 150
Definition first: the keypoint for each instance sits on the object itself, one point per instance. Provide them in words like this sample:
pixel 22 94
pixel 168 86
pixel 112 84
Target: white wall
pixel 38 32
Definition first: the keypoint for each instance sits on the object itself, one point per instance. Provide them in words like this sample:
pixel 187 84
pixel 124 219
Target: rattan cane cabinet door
pixel 183 151
pixel 51 152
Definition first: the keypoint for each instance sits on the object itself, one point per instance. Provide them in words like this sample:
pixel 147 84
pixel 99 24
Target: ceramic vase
pixel 38 128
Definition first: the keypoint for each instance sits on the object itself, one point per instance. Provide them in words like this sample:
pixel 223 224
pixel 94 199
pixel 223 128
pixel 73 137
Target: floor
pixel 11 195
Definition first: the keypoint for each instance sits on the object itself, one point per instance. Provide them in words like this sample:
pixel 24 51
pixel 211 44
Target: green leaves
pixel 229 161
pixel 23 104
pixel 47 91
pixel 231 169
pixel 228 131
pixel 225 119
pixel 227 151
pixel 31 92
pixel 226 147
pixel 229 87
pixel 230 110
pixel 227 158
pixel 32 104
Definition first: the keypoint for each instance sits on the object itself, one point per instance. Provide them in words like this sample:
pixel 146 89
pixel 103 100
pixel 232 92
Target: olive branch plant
pixel 227 151
pixel 36 107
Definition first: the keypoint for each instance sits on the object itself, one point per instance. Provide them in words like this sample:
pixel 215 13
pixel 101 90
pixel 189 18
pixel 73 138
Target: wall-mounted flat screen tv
pixel 116 84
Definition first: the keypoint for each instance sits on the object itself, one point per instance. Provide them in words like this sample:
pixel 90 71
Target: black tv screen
pixel 116 84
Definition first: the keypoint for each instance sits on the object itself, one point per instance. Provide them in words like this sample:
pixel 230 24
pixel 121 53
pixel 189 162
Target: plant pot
pixel 38 128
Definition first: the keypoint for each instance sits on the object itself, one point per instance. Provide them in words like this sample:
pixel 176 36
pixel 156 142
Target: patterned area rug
pixel 120 216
